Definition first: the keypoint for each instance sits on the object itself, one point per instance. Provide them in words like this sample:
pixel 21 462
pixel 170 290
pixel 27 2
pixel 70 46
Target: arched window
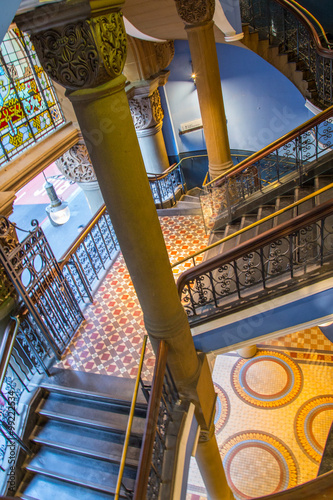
pixel 29 108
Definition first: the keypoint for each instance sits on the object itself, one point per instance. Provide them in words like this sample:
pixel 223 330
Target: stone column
pixel 76 166
pixel 197 16
pixel 90 67
pixel 147 113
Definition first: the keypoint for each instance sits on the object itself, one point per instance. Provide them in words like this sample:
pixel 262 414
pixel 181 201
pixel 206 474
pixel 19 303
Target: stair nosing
pixel 87 453
pixel 97 424
pixel 70 479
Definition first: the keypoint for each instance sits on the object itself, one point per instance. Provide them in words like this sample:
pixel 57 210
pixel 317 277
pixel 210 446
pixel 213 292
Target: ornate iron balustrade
pixel 23 354
pixel 163 396
pixel 167 187
pixel 35 273
pixel 90 256
pixel 295 252
pixel 294 153
pixel 286 26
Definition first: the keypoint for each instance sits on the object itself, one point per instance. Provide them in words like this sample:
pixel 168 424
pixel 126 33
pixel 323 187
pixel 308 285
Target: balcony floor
pixel 273 415
pixel 270 434
pixel 109 340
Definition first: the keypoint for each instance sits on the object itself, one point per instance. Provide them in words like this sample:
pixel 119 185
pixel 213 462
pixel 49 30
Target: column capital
pixel 146 110
pixel 195 12
pixel 76 164
pixel 79 47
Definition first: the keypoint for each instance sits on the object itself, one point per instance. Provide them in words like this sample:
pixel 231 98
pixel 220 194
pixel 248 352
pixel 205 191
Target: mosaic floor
pixel 273 415
pixel 110 339
pixel 270 435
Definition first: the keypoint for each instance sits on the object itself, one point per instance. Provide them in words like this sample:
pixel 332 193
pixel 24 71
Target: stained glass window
pixel 29 108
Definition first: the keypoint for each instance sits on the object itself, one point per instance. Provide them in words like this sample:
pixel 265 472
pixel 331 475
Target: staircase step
pixel 49 488
pixel 83 440
pixel 262 213
pixel 307 205
pixel 190 199
pixel 88 472
pixel 96 387
pixel 282 202
pixel 91 413
pixel 188 204
pixel 320 182
pixel 196 191
pixel 247 220
pixel 214 237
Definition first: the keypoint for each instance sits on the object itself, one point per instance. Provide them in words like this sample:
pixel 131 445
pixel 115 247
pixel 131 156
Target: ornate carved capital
pixel 8 241
pixel 76 165
pixel 146 111
pixel 194 12
pixel 164 53
pixel 84 54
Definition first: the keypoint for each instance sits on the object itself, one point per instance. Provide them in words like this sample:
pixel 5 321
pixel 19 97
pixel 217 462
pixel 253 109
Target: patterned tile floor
pixel 110 339
pixel 270 436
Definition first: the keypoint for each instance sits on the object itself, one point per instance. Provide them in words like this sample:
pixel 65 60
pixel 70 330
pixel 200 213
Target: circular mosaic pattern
pixel 269 380
pixel 312 424
pixel 258 454
pixel 222 408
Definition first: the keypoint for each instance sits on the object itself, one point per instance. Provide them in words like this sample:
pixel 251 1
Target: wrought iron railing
pixel 91 254
pixel 23 354
pixel 163 396
pixel 37 278
pixel 296 251
pixel 167 187
pixel 294 153
pixel 287 26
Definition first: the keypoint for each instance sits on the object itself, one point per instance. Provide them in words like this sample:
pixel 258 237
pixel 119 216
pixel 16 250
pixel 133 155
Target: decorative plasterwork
pixel 194 12
pixel 84 54
pixel 164 53
pixel 146 111
pixel 76 165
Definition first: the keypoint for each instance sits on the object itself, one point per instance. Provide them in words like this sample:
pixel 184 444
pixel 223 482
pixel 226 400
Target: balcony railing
pixel 289 26
pixel 163 396
pixel 297 251
pixel 167 187
pixel 293 154
pixel 90 256
pixel 24 353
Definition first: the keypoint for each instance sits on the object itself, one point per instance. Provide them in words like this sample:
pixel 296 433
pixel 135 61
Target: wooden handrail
pixel 80 238
pixel 151 423
pixel 130 420
pixel 288 5
pixel 267 150
pixel 284 229
pixel 163 174
pixel 308 13
pixel 319 488
pixel 7 345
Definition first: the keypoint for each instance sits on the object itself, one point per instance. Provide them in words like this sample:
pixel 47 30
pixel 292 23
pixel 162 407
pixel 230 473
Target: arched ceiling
pixel 159 19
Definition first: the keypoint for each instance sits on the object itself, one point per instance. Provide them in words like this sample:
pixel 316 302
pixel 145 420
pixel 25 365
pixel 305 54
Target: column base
pixel 247 352
pixel 216 170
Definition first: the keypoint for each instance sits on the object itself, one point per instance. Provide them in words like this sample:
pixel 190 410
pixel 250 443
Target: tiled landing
pixel 110 339
pixel 273 414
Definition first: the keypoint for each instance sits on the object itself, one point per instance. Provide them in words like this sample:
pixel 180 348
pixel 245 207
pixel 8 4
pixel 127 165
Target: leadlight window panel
pixel 29 108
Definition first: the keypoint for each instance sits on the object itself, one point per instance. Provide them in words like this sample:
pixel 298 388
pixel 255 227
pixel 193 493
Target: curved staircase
pixel 77 439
